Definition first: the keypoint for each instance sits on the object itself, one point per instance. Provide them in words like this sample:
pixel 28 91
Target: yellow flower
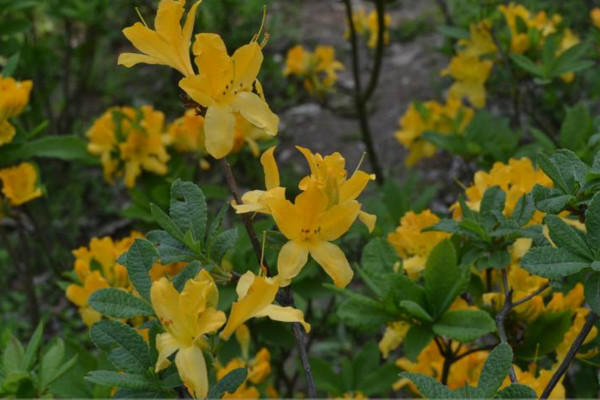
pixel 255 297
pixel 537 380
pixel 242 335
pixel 187 318
pixel 14 96
pixel 318 69
pixel 480 42
pixel 393 337
pixel 298 61
pixel 244 391
pixel 79 295
pixel 373 27
pixel 169 44
pixel 20 183
pixel 225 87
pixel 568 40
pixel 259 367
pixel 451 118
pixel 413 245
pixel 310 227
pixel 246 133
pixel 595 17
pixel 187 132
pixel 515 178
pixel 131 137
pixel 7 132
pixel 470 74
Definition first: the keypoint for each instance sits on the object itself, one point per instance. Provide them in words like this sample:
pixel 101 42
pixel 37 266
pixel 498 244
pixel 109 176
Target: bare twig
pixel 590 321
pixel 445 11
pixel 284 296
pixel 359 99
pixel 531 296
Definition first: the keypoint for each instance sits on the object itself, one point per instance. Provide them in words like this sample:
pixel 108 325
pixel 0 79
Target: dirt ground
pixel 410 72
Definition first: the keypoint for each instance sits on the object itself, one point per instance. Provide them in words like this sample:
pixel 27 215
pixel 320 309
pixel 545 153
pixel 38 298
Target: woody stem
pixel 284 296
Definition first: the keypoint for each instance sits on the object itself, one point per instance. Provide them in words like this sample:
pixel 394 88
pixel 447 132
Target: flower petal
pixel 338 219
pixel 247 61
pixel 331 258
pixel 165 302
pixel 270 168
pixel 285 215
pixel 353 187
pixel 166 344
pixel 256 111
pixel 284 314
pixel 210 320
pixel 290 261
pixel 218 128
pixel 199 88
pixel 192 370
pixel 368 219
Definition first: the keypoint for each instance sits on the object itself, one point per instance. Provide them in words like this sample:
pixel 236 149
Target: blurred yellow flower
pixel 317 69
pixel 20 183
pixel 187 133
pixel 537 380
pixel 255 297
pixel 7 132
pixel 169 44
pixel 470 74
pixel 413 245
pixel 450 118
pixel 480 42
pixel 367 25
pixel 225 86
pixel 14 96
pixel 393 337
pixel 128 141
pixel 568 40
pixel 187 318
pixel 595 17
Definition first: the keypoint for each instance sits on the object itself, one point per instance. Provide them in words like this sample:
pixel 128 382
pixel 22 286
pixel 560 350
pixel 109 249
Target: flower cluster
pixel 19 183
pixel 368 26
pixel 129 140
pixel 324 210
pixel 448 119
pixel 225 88
pixel 317 70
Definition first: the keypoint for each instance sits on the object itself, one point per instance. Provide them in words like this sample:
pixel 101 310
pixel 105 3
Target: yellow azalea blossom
pixel 259 368
pixel 7 132
pixel 595 17
pixel 255 297
pixel 480 42
pixel 245 133
pixel 129 140
pixel 20 183
pixel 413 245
pixel 470 74
pixel 310 226
pixel 244 391
pixel 169 44
pixel 430 362
pixel 14 96
pixel 359 19
pixel 317 69
pixel 79 295
pixel 393 337
pixel 515 178
pixel 187 133
pixel 373 26
pixel 187 318
pixel 537 380
pixel 225 87
pixel 450 118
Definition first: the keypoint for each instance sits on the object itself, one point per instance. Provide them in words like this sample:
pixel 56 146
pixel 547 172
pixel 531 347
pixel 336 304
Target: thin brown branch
pixel 531 296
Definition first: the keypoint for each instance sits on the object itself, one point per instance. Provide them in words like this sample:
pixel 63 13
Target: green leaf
pixel 188 209
pixel 165 222
pixel 517 391
pixel 170 249
pixel 565 236
pixel 464 325
pixel 366 361
pixel 543 139
pixel 12 359
pixel 31 352
pixel 548 165
pixel 553 263
pixel 326 379
pixel 493 199
pixel 117 303
pixel 416 310
pixel 495 369
pixel 444 278
pixel 592 222
pixel 378 381
pixel 69 148
pixel 216 223
pixel 189 272
pixel 527 65
pixel 592 291
pixel 428 387
pixel 223 242
pixel 404 288
pixel 417 338
pixel 139 261
pixel 11 65
pixel 453 32
pixel 544 334
pixel 229 383
pixel 550 200
pixel 524 210
pixel 378 259
pixel 112 378
pixel 364 313
pixel 576 128
pixel 51 361
pixel 126 349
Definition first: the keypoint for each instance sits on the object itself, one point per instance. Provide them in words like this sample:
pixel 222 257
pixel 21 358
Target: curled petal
pixel 256 111
pixel 292 258
pixel 284 314
pixel 331 258
pixel 192 370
